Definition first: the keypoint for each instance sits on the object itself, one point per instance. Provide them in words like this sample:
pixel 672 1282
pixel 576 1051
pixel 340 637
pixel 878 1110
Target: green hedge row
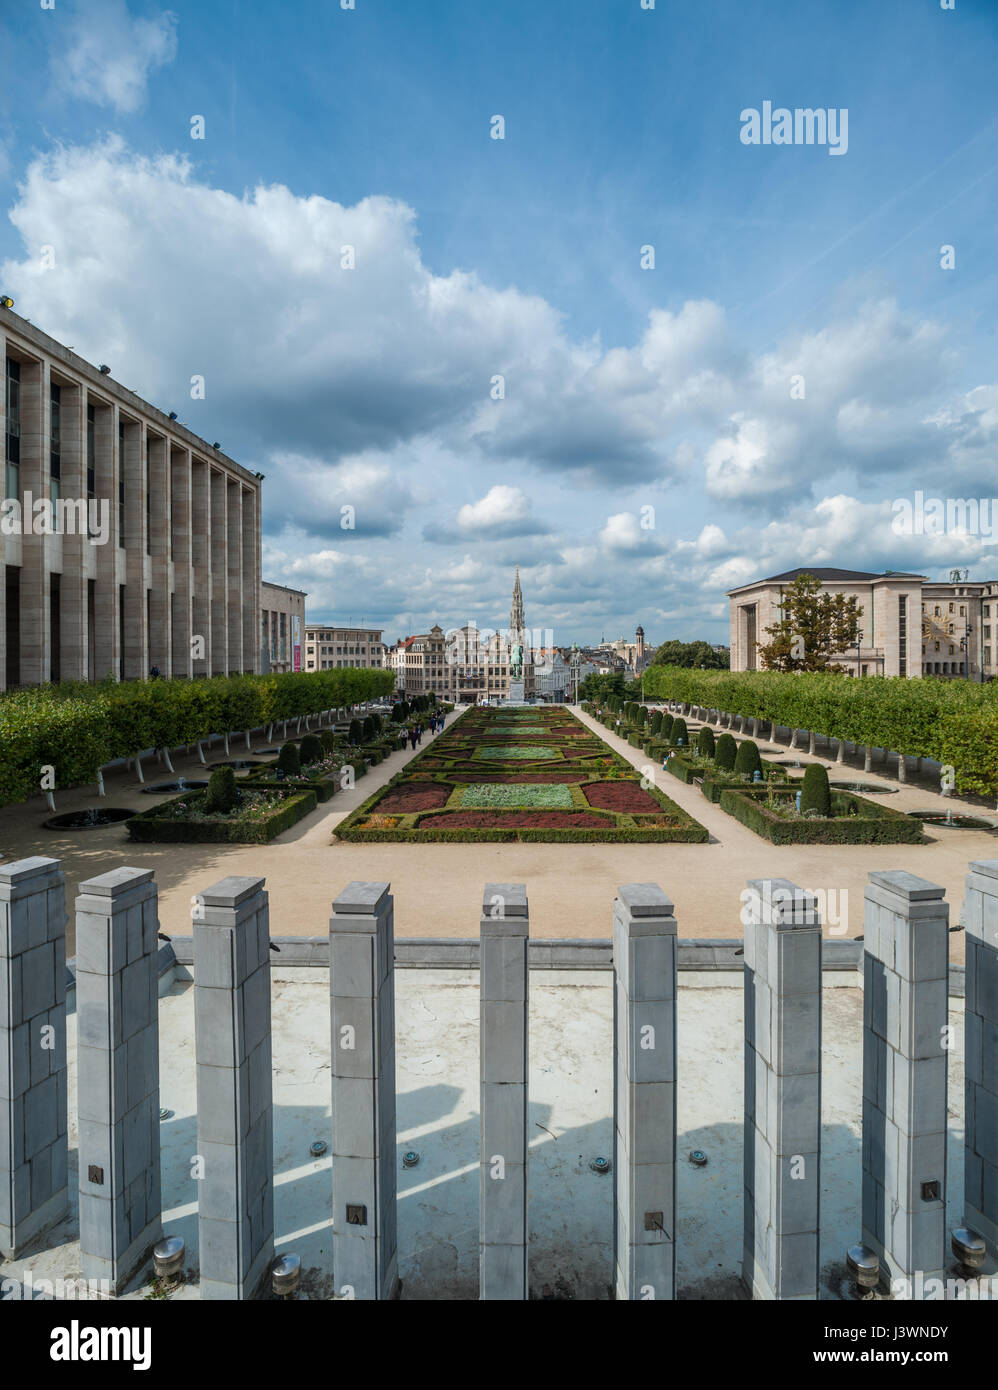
pixel 77 728
pixel 954 722
pixel 875 825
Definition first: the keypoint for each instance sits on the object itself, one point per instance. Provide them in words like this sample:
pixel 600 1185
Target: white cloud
pixel 110 54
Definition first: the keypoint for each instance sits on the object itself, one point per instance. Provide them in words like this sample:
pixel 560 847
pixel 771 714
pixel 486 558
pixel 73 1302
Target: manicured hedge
pixel 153 827
pixel 78 728
pixel 875 825
pixel 954 721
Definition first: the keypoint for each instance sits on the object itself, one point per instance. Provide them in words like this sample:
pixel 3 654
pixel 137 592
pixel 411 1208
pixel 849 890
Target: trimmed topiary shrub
pixel 356 734
pixel 655 726
pixel 311 749
pixel 367 728
pixel 747 760
pixel 705 742
pixel 642 716
pixel 222 794
pixel 665 732
pixel 725 753
pixel 680 733
pixel 289 760
pixel 816 795
pixel 328 740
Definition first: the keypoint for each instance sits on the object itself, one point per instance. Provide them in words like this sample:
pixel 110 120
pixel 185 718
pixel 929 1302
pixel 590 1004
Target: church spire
pixel 517 623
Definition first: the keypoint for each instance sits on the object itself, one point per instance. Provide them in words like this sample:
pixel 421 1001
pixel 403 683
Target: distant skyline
pixel 352 263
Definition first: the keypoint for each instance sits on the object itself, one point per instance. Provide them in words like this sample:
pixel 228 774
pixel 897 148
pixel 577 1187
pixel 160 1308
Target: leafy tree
pixel 597 687
pixel 725 753
pixel 222 793
pixel 674 653
pixel 815 793
pixel 815 628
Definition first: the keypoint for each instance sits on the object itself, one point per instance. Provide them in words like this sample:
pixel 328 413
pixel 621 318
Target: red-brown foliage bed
pixel 515 820
pixel 619 796
pixel 426 796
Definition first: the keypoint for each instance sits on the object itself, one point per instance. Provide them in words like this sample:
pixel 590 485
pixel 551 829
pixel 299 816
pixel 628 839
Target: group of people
pixel 414 734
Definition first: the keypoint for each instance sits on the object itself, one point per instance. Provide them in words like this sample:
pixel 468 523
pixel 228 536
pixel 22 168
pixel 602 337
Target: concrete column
pixel 219 575
pixel 181 564
pixel 117 1006
pixel 132 464
pixel 980 918
pixel 782 1144
pixel 906 960
pixel 251 581
pixel 234 1087
pixel 75 546
pixel 36 636
pixel 233 575
pixel 644 1027
pixel 158 546
pixel 106 634
pixel 504 993
pixel 33 1145
pixel 362 1022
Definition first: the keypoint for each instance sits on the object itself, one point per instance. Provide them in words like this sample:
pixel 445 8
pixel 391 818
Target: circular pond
pixel 92 819
pixel 863 788
pixel 949 821
pixel 180 785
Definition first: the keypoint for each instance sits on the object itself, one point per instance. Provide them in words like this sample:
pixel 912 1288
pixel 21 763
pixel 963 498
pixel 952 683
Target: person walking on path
pixel 412 739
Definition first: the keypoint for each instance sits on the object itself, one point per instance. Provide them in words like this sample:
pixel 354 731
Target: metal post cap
pixel 969 1248
pixel 285 1274
pixel 168 1256
pixel 864 1266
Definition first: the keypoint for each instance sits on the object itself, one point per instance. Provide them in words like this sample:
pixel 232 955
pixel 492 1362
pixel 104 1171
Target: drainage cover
pixel 600 1165
pixel 93 819
pixel 317 1148
pixel 698 1158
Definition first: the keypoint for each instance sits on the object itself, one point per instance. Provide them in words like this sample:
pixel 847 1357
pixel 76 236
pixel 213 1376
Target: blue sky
pixel 626 389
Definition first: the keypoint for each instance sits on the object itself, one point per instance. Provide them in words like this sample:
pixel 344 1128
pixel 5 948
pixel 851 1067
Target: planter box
pixel 153 827
pixel 874 825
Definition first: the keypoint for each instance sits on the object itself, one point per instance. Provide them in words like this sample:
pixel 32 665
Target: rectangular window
pixel 987 656
pixel 12 452
pixel 55 443
pixel 903 634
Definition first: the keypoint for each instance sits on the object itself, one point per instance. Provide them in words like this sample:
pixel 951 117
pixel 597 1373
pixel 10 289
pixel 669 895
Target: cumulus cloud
pixel 502 514
pixel 110 54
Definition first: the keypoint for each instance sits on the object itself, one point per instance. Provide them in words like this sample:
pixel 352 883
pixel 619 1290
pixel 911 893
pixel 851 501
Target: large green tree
pixel 598 687
pixel 696 654
pixel 815 628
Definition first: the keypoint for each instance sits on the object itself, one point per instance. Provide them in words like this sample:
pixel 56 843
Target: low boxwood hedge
pixel 874 825
pixel 153 826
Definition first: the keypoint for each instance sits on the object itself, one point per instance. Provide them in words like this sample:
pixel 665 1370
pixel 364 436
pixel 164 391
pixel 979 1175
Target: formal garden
pixel 277 792
pixel 760 793
pixel 520 774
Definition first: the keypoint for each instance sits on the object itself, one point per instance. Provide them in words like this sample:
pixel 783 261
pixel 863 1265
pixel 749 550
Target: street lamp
pixel 859 643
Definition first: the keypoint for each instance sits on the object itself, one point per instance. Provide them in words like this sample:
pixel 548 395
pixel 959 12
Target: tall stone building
pixel 909 625
pixel 126 541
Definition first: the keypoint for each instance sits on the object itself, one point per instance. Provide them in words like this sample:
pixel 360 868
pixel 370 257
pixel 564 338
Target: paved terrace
pixel 437 887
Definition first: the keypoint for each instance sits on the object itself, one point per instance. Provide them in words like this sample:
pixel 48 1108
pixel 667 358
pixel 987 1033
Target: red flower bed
pixel 619 796
pixel 515 820
pixel 429 796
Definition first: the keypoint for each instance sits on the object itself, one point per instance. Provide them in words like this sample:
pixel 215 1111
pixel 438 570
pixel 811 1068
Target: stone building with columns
pixel 150 553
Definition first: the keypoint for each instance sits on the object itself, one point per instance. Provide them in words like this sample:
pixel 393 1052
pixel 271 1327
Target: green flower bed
pixel 518 753
pixel 262 815
pixel 871 825
pixel 553 796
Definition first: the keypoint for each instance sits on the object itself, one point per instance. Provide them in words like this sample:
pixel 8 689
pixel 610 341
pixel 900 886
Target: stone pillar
pixel 219 575
pixel 234 1087
pixel 362 1019
pixel 906 961
pixel 782 1145
pixel 33 1143
pixel 117 1007
pixel 504 994
pixel 840 755
pixel 902 768
pixel 234 576
pixel 868 758
pixel 980 918
pixel 644 1170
